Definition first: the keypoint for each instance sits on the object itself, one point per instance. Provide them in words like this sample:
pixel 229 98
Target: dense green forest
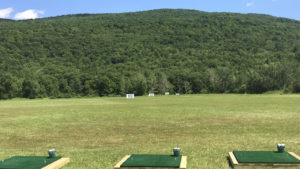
pixel 183 51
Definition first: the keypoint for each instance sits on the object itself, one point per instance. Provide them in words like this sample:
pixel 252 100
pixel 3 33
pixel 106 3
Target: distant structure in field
pixel 151 94
pixel 177 94
pixel 130 96
pixel 167 93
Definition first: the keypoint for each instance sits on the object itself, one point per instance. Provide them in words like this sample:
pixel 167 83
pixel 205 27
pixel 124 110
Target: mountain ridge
pixel 184 51
pixel 156 10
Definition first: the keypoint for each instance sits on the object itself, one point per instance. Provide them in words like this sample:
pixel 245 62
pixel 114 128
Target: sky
pixel 32 9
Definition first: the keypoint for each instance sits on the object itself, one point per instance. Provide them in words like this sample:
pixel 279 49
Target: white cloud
pixel 4 13
pixel 250 4
pixel 29 14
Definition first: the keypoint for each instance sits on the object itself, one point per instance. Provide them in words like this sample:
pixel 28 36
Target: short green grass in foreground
pixel 98 132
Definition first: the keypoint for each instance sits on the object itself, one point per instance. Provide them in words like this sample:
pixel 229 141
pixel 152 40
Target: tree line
pixel 179 51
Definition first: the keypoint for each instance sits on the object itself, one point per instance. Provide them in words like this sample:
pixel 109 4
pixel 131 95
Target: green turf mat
pixel 26 162
pixel 264 157
pixel 148 160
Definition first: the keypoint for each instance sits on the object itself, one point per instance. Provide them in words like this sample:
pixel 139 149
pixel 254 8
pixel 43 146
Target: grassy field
pixel 98 132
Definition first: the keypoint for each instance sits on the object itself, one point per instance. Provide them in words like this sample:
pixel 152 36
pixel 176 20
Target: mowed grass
pixel 98 132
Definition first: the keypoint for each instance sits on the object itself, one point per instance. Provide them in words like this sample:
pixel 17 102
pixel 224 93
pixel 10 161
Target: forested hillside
pixel 183 51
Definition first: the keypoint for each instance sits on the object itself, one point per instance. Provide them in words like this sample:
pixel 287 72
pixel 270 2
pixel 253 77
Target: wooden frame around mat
pixel 236 164
pixel 57 164
pixel 182 164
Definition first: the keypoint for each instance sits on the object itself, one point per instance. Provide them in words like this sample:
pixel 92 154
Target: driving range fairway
pixel 96 133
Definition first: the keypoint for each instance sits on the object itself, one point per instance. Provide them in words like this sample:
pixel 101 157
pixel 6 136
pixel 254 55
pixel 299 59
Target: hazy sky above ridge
pixel 31 9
